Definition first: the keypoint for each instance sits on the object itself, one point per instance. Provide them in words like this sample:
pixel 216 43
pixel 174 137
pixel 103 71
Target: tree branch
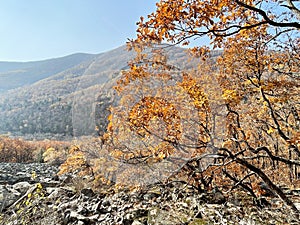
pixel 266 179
pixel 266 18
pixel 293 8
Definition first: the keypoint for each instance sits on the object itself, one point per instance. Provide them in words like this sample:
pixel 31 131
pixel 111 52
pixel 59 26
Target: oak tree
pixel 228 119
pixel 232 121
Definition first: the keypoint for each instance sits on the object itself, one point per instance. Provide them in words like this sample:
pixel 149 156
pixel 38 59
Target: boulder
pixel 8 197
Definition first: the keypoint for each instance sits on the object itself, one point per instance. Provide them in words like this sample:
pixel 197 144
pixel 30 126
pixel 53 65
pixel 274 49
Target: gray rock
pixel 22 187
pixel 136 222
pixel 62 204
pixel 7 196
pixel 88 192
pixel 17 178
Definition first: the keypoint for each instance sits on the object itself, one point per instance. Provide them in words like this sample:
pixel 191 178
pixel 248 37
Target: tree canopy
pixel 232 118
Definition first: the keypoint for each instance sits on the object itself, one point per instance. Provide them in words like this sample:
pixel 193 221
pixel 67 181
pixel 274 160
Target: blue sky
pixel 42 29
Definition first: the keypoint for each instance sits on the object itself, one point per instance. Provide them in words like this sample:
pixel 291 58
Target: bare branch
pixel 240 182
pixel 266 179
pixel 266 18
pixel 293 8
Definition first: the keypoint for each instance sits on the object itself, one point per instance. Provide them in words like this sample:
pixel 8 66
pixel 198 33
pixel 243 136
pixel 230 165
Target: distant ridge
pixel 18 74
pixel 52 98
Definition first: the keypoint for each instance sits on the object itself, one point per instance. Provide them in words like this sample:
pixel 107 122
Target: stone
pixel 11 193
pixel 136 222
pixel 297 205
pixel 22 187
pixel 177 204
pixel 87 192
pixel 8 196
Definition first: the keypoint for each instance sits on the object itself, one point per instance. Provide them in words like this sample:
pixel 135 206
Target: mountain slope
pixel 54 104
pixel 71 102
pixel 18 74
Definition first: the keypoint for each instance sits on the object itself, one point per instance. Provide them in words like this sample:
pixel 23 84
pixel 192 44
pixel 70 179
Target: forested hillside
pixel 72 102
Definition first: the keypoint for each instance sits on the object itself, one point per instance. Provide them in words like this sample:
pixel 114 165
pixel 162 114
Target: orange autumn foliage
pixel 231 120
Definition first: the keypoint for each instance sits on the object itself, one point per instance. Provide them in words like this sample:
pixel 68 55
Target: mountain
pixel 54 96
pixel 64 97
pixel 19 74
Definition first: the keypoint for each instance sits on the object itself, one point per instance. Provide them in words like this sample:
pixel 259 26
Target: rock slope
pixel 33 194
pixel 17 178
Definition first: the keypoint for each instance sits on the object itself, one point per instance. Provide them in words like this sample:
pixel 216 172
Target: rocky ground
pixel 34 194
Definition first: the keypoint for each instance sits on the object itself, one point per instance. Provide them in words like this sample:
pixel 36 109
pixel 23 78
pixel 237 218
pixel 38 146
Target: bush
pixel 17 150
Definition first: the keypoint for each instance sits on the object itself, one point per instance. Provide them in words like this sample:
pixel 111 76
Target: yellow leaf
pixel 270 131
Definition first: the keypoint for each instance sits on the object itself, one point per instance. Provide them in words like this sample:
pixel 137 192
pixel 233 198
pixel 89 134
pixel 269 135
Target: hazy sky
pixel 42 29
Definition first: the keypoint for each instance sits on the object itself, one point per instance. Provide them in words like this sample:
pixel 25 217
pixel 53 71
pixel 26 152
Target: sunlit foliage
pixel 18 150
pixel 230 122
